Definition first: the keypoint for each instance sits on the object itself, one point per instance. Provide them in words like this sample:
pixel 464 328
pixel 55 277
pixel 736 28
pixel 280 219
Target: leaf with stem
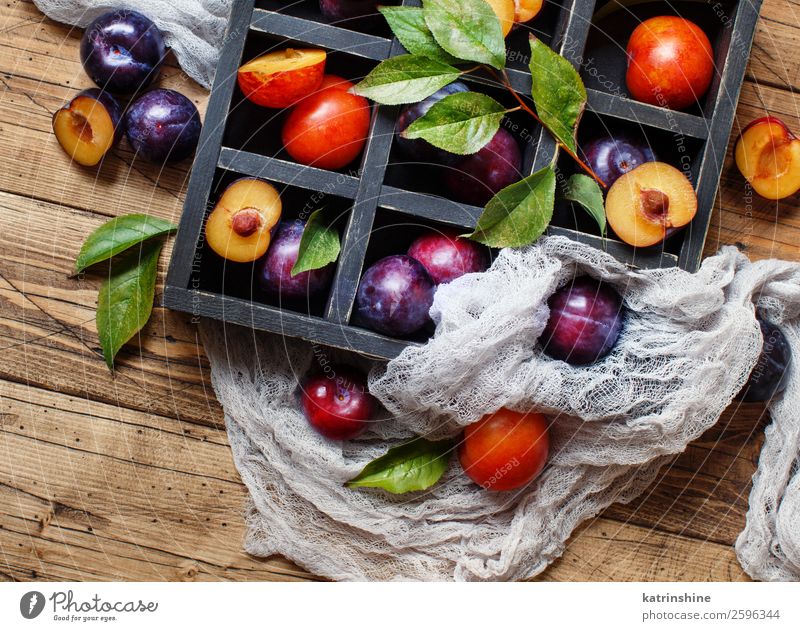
pixel 558 92
pixel 460 123
pixel 583 190
pixel 408 25
pixel 413 466
pixel 126 298
pixel 319 245
pixel 406 79
pixel 520 213
pixel 117 235
pixel 467 29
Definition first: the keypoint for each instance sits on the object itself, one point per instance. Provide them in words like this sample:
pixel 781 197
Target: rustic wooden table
pixel 130 477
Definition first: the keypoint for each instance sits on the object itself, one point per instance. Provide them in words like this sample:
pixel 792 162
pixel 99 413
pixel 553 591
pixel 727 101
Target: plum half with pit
pixel 447 256
pixel 419 149
pixel 274 271
pixel 478 177
pixel 394 296
pixel 122 51
pixel 88 126
pixel 240 226
pixel 612 156
pixel 586 318
pixel 163 126
pixel 768 376
pixel 336 402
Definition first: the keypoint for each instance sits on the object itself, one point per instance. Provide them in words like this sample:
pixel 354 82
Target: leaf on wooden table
pixel 117 235
pixel 126 298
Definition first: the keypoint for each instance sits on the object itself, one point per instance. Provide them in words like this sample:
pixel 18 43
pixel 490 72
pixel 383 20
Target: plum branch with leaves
pixel 441 37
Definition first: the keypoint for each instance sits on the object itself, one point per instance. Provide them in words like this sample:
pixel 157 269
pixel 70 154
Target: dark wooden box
pixel 383 204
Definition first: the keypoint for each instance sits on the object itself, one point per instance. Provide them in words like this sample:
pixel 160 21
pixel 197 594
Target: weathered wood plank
pixel 80 485
pixel 47 325
pixel 151 490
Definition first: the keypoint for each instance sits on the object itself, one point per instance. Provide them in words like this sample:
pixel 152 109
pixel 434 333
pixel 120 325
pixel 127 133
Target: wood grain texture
pixel 130 477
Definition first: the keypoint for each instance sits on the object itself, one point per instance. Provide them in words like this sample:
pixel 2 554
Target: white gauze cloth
pixel 194 29
pixel 688 345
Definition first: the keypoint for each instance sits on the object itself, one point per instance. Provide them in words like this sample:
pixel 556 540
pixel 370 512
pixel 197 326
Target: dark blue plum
pixel 610 157
pixel 163 126
pixel 274 270
pixel 340 10
pixel 394 296
pixel 768 377
pixel 476 178
pixel 418 149
pixel 586 318
pixel 122 51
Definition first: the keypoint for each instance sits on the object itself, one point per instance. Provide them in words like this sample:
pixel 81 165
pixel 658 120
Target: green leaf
pixel 406 79
pixel 118 235
pixel 467 29
pixel 557 91
pixel 583 190
pixel 413 466
pixel 460 123
pixel 408 25
pixel 126 298
pixel 520 213
pixel 319 245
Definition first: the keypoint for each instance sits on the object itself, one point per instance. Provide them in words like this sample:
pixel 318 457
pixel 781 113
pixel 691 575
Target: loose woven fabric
pixel 769 546
pixel 194 29
pixel 688 345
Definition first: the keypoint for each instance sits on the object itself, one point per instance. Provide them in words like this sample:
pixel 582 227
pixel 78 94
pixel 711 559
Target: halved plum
pixel 645 204
pixel 88 126
pixel 768 156
pixel 284 77
pixel 240 226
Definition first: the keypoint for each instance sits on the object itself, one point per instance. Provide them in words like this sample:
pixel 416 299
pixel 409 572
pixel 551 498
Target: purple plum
pixel 337 402
pixel 478 177
pixel 274 270
pixel 122 51
pixel 340 10
pixel 418 149
pixel 586 318
pixel 768 377
pixel 394 296
pixel 163 126
pixel 612 156
pixel 446 256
